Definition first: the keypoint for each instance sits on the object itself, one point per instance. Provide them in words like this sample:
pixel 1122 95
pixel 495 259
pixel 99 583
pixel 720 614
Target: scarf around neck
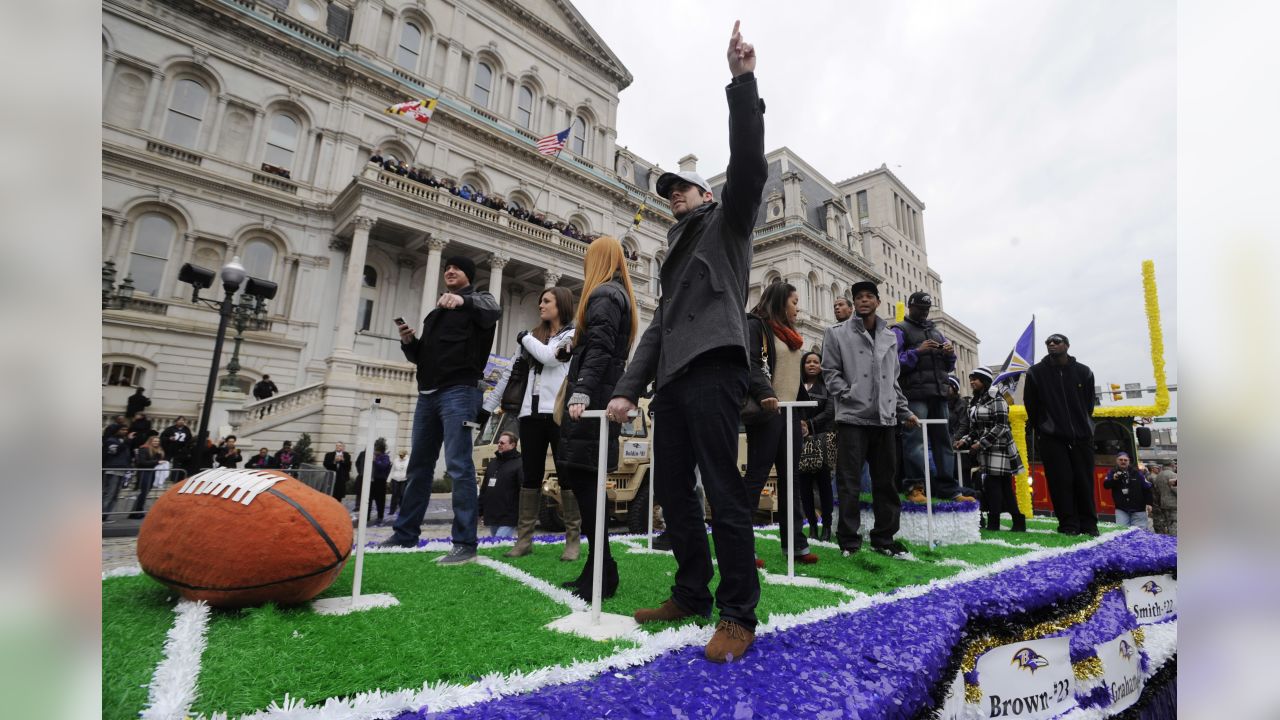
pixel 787 335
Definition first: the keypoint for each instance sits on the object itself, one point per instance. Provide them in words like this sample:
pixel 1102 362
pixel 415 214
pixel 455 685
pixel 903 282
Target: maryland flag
pixel 419 110
pixel 1018 362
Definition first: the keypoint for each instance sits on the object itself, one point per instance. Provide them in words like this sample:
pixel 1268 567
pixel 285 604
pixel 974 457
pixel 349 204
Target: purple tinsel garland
pixel 881 662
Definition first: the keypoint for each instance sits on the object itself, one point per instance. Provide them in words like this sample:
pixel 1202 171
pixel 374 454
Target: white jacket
pixel 548 380
pixel 399 468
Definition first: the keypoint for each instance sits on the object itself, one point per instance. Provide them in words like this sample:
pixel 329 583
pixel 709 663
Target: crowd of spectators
pixel 493 202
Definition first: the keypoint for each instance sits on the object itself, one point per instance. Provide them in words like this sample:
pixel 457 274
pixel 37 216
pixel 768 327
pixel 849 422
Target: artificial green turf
pixel 455 623
pixel 452 624
pixel 645 580
pixel 137 613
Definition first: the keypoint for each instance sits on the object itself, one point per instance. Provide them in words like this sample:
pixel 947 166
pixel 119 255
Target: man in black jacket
pixel 1059 399
pixel 175 440
pixel 695 352
pixel 450 356
pixel 137 403
pixel 339 461
pixel 500 492
pixel 926 359
pixel 264 388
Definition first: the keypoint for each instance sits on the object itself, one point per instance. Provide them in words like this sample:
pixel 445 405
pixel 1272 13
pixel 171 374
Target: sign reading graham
pixel 1152 599
pixel 1031 679
pixel 1121 671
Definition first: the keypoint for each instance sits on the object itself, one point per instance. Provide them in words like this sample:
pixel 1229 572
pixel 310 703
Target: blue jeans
pixel 505 531
pixel 943 481
pixel 1125 518
pixel 438 421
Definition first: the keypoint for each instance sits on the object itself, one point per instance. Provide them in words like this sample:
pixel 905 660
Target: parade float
pixel 978 624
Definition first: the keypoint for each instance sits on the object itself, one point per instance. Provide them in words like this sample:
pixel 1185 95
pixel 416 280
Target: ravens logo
pixel 1029 659
pixel 1126 650
pixel 1151 587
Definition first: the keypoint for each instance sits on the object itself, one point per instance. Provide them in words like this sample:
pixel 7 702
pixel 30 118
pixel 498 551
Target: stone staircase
pixel 275 411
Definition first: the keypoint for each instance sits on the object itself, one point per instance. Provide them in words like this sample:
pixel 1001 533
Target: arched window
pixel 368 292
pixel 524 107
pixel 578 136
pixel 152 243
pixel 123 374
pixel 186 112
pixel 410 47
pixel 282 142
pixel 482 84
pixel 259 259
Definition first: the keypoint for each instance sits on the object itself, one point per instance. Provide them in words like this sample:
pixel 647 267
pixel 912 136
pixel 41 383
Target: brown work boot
pixel 572 525
pixel 665 612
pixel 916 495
pixel 730 642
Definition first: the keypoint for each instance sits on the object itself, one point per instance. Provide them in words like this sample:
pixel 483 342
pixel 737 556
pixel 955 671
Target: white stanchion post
pixel 358 602
pixel 653 442
pixel 593 623
pixel 790 515
pixel 363 509
pixel 928 483
pixel 598 537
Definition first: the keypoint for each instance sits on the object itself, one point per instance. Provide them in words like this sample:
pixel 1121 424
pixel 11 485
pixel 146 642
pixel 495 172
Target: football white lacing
pixel 240 486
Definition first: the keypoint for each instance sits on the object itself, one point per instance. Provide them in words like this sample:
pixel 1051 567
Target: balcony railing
pixel 272 181
pixel 442 197
pixel 264 410
pixel 399 374
pixel 170 151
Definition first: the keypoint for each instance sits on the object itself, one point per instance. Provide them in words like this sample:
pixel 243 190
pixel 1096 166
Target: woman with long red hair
pixel 605 329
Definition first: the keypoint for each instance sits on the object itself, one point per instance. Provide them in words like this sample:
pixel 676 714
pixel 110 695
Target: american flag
pixel 553 144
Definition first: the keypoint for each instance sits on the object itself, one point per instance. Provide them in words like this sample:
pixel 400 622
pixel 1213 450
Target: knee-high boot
pixel 572 525
pixel 530 504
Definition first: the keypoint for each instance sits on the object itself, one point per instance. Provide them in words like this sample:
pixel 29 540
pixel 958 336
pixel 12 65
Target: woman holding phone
pixel 606 328
pixel 538 430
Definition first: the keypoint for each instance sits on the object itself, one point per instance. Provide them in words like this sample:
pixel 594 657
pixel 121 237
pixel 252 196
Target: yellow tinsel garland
pixel 1084 670
pixel 1018 413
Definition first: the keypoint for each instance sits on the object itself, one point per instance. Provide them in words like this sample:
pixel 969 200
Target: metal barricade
pixel 140 488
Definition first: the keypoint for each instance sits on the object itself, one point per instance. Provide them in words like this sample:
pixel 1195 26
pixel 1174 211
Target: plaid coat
pixel 989 428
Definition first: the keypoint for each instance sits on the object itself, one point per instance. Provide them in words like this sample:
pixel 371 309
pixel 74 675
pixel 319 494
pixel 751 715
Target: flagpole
pixel 423 136
pixel 545 178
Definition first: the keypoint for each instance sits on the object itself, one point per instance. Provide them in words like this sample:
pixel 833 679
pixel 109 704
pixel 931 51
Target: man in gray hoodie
pixel 860 367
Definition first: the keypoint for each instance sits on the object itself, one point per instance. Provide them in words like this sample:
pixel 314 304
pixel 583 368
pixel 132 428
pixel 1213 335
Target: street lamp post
pixel 242 313
pixel 232 275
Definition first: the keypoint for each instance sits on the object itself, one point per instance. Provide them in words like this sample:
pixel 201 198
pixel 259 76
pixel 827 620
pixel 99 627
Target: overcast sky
pixel 1040 135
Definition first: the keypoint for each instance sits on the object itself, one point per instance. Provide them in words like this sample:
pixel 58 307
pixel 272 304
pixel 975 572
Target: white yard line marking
pixel 560 595
pixel 173 686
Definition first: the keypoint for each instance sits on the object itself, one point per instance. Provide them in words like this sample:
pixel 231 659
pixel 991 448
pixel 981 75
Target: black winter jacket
pixel 708 266
pixel 597 364
pixel 924 374
pixel 500 490
pixel 454 345
pixel 1130 489
pixel 1060 399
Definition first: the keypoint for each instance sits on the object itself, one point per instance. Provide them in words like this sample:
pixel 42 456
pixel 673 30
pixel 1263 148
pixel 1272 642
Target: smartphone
pixel 399 321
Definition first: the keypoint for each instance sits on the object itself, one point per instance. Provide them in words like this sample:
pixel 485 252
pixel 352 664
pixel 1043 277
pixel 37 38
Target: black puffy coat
pixel 597 364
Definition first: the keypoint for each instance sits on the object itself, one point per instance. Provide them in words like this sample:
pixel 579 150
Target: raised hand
pixel 742 55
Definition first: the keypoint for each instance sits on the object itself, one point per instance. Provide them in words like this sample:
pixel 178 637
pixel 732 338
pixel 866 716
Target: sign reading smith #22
pixel 1151 599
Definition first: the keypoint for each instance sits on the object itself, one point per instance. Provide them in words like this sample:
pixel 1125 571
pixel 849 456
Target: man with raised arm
pixel 695 353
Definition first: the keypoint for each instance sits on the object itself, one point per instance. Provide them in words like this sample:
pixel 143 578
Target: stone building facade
pixel 243 128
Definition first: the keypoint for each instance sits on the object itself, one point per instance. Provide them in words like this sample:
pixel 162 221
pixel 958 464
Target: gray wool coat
pixel 707 271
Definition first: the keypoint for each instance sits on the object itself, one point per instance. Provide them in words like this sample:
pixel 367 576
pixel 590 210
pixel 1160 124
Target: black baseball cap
pixel 920 298
pixel 862 285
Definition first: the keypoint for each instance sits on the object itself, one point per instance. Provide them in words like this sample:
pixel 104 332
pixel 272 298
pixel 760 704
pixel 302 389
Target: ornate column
pixel 496 263
pixel 255 137
pixel 188 250
pixel 212 146
pixel 431 279
pixel 113 240
pixel 550 279
pixel 350 302
pixel 153 92
pixel 108 71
